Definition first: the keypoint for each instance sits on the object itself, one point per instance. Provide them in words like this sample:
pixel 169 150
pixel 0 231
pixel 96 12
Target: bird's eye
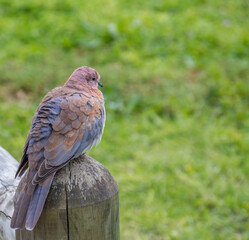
pixel 93 79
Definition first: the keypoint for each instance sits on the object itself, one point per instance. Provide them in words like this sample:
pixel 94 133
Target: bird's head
pixel 84 77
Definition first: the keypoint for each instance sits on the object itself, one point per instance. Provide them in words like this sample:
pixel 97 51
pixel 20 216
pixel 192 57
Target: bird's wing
pixel 62 129
pixel 75 130
pixel 40 130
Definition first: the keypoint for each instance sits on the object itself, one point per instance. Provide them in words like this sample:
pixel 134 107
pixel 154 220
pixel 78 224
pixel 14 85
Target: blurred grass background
pixel 176 87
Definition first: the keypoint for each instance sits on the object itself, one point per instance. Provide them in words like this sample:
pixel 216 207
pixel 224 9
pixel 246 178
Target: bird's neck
pixel 84 88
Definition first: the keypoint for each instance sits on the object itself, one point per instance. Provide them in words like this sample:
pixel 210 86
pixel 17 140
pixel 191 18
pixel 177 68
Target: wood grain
pixel 8 185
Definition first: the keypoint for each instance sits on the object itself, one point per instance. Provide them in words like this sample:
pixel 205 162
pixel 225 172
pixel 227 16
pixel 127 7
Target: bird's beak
pixel 100 84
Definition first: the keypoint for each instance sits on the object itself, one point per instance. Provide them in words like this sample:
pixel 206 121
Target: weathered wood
pixel 82 204
pixel 8 185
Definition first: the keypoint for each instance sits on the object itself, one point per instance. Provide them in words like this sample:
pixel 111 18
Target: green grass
pixel 176 86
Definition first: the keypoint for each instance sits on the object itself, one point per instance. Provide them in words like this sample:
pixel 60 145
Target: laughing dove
pixel 67 123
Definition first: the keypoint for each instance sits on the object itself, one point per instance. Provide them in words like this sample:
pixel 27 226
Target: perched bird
pixel 67 123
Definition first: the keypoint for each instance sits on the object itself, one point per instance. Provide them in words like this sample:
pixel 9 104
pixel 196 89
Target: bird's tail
pixel 30 203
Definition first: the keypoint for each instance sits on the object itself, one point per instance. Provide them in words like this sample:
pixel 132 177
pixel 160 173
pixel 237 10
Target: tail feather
pixel 37 203
pixel 30 204
pixel 19 216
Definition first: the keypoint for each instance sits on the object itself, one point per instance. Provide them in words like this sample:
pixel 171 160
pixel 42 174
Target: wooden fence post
pixel 82 204
pixel 8 185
